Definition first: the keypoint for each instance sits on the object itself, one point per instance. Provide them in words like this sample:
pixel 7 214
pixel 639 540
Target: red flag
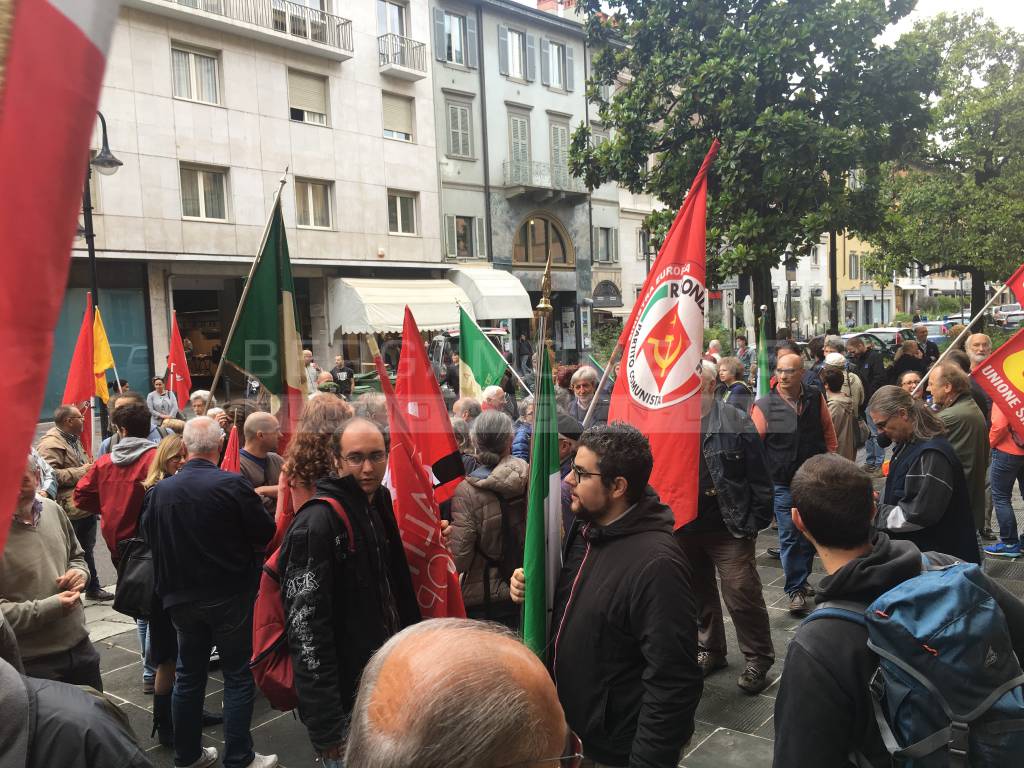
pixel 662 343
pixel 434 578
pixel 1001 375
pixel 430 427
pixel 1015 283
pixel 232 461
pixel 80 384
pixel 51 79
pixel 177 365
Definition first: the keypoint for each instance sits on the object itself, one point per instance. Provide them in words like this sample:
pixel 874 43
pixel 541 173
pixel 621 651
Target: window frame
pixel 305 113
pixel 550 224
pixel 450 20
pixel 192 51
pixel 556 63
pixel 329 187
pixel 643 243
pixel 521 48
pixel 398 194
pixel 200 170
pixel 449 105
pixel 399 135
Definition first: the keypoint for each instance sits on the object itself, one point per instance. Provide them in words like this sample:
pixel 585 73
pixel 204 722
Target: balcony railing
pixel 281 16
pixel 520 173
pixel 397 51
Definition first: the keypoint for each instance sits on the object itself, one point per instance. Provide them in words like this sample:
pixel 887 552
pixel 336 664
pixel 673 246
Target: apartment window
pixel 313 204
pixel 519 148
pixel 560 155
pixel 460 131
pixel 398 118
pixel 598 137
pixel 516 54
pixel 556 60
pixel 455 38
pixel 464 237
pixel 815 256
pixel 643 243
pixel 307 97
pixel 556 53
pixel 195 75
pixel 390 18
pixel 539 237
pixel 854 265
pixel 203 193
pixel 606 245
pixel 401 213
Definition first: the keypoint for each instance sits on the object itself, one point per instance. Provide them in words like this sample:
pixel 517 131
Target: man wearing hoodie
pixel 624 630
pixel 823 713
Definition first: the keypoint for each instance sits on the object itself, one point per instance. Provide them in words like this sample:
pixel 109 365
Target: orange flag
pixel 81 381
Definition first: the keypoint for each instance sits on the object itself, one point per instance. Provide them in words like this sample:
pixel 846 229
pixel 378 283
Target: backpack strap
pixel 339 511
pixel 847 610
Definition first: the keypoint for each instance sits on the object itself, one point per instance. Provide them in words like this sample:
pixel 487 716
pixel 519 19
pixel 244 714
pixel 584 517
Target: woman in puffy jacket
pixel 496 487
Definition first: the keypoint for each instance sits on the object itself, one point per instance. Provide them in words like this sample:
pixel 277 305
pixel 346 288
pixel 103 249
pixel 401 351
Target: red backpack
pixel 271 662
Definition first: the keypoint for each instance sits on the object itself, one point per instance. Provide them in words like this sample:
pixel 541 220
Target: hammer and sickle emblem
pixel 666 350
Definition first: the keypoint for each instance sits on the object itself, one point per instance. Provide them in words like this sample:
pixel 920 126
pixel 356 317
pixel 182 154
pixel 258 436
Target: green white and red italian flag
pixel 480 363
pixel 542 556
pixel 264 341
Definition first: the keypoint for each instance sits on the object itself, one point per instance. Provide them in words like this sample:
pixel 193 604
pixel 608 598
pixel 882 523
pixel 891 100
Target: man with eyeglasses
pixel 623 650
pixel 343 597
pixel 795 424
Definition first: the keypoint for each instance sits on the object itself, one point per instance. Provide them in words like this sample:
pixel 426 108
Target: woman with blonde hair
pixel 170 455
pixel 312 454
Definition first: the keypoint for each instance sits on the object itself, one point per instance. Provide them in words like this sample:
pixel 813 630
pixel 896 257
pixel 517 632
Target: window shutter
pixel 569 82
pixel 481 241
pixel 467 132
pixel 449 237
pixel 440 43
pixel 531 58
pixel 503 49
pixel 545 62
pixel 307 92
pixel 471 43
pixel 595 236
pixel 397 113
pixel 614 244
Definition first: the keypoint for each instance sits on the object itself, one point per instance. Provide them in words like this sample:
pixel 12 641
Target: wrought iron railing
pixel 544 175
pixel 403 52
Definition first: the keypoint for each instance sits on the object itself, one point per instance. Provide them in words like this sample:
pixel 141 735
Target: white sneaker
pixel 263 761
pixel 206 758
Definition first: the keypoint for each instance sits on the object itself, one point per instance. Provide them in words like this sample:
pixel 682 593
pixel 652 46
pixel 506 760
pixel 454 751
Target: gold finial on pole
pixel 544 305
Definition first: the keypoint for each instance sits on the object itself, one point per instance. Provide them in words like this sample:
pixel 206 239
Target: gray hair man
pixel 978 347
pixel 584 389
pixel 466 409
pixel 492 702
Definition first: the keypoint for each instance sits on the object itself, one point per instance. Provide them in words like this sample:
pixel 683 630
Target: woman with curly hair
pixel 311 455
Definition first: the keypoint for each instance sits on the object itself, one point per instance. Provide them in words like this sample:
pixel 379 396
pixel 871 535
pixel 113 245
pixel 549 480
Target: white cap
pixel 835 360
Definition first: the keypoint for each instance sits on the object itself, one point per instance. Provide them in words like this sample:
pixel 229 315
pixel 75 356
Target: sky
pixel 1006 13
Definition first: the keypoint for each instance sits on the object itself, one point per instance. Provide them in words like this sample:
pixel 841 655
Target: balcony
pixel 401 57
pixel 542 181
pixel 278 22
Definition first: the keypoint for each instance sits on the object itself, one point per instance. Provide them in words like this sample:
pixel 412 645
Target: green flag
pixel 763 374
pixel 542 555
pixel 480 363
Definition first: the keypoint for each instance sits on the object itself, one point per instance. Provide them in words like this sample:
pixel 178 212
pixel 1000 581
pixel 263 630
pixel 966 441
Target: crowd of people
pixel 637 621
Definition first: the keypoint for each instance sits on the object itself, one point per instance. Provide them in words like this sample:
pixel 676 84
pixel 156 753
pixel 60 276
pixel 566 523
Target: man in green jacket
pixel 965 429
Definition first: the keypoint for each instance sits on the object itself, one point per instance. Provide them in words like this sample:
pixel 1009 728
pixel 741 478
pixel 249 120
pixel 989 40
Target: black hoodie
pixel 624 639
pixel 823 712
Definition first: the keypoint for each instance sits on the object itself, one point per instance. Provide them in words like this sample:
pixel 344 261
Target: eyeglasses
pixel 356 460
pixel 582 473
pixel 572 756
pixel 785 371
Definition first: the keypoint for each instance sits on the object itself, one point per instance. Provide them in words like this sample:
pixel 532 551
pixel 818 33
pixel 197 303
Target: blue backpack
pixel 948 688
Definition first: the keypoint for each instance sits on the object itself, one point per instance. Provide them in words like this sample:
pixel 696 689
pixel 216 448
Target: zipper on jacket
pixel 568 604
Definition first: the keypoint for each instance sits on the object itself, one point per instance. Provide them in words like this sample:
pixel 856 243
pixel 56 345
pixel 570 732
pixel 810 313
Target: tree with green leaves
pixel 798 92
pixel 959 204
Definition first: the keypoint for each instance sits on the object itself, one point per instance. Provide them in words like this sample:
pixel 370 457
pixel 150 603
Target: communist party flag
pixel 661 355
pixel 430 427
pixel 434 578
pixel 177 365
pixel 52 55
pixel 80 385
pixel 1001 375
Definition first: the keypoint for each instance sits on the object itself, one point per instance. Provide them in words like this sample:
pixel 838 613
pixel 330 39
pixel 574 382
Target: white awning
pixel 362 305
pixel 495 293
pixel 615 311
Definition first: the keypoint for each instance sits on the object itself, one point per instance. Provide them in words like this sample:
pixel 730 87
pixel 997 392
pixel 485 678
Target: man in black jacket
pixel 208 529
pixel 623 651
pixel 823 713
pixel 343 599
pixel 735 502
pixel 869 366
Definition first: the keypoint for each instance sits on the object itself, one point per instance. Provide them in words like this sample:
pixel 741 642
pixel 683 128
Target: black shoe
pixel 988 535
pixel 775 552
pixel 753 679
pixel 710 662
pixel 798 602
pixel 211 719
pixel 214 657
pixel 148 687
pixel 809 590
pixel 99 594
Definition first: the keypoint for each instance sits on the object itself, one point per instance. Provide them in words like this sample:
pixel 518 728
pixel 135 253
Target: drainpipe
pixel 483 127
pixel 590 210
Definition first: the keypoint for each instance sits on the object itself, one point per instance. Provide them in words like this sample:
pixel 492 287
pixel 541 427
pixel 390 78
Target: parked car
pixel 875 342
pixel 937 330
pixel 891 336
pixel 1000 312
pixel 1013 320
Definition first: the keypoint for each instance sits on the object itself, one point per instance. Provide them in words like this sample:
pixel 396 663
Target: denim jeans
pixel 226 623
pixel 874 453
pixel 796 551
pixel 85 532
pixel 1006 469
pixel 148 671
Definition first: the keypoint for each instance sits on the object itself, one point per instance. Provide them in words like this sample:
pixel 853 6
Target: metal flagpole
pixel 954 342
pixel 248 282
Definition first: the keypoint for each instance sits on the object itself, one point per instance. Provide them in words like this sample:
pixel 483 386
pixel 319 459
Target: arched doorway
pixel 539 235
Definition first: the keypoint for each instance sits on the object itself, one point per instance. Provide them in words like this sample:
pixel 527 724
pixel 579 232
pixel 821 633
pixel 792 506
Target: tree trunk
pixel 833 286
pixel 978 297
pixel 761 279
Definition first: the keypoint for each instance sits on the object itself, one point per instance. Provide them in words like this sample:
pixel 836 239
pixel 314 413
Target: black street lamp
pixel 790 277
pixel 105 163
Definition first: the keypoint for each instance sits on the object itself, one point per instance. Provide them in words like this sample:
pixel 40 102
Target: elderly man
pixel 311 368
pixel 466 409
pixel 207 530
pixel 965 429
pixel 62 449
pixel 584 388
pixel 929 349
pixel 42 575
pixel 978 348
pixel 407 713
pixel 493 399
pixel 258 459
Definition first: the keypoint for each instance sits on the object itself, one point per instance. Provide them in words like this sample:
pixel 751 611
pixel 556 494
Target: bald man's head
pixel 262 432
pixel 453 692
